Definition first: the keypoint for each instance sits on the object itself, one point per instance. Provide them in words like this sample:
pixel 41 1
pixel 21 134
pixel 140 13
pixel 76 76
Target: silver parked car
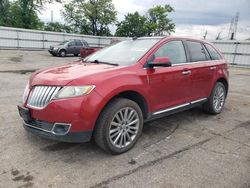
pixel 72 46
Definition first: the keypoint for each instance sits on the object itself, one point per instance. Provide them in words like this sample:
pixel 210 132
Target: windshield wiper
pixel 102 62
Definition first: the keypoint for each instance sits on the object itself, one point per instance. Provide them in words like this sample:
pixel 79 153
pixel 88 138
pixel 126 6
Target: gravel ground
pixel 188 149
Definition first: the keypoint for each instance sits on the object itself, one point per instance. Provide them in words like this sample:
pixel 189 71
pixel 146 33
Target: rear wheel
pixel 119 126
pixel 62 53
pixel 216 101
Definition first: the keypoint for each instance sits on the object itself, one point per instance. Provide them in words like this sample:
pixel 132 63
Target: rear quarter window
pixel 213 53
pixel 197 51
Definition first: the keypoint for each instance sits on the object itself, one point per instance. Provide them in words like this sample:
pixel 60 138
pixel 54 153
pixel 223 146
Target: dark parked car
pixel 68 47
pixel 84 52
pixel 111 93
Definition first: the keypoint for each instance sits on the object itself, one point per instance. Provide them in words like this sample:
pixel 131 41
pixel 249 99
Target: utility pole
pixel 233 27
pixel 205 35
pixel 218 36
pixel 236 24
pixel 52 16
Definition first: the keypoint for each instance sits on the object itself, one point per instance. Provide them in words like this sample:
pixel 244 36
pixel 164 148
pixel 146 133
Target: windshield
pixel 64 42
pixel 123 53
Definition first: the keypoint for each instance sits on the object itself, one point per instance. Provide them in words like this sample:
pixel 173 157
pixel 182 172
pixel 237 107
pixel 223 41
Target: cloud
pixel 198 31
pixel 193 16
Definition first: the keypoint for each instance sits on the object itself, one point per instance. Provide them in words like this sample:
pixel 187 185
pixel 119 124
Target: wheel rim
pixel 63 53
pixel 124 127
pixel 219 98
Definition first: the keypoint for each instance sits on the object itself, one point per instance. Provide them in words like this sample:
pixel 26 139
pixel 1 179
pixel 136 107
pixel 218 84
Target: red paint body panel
pixel 84 52
pixel 162 87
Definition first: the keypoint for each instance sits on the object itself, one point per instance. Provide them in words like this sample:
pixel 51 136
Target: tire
pixel 76 55
pixel 62 53
pixel 108 127
pixel 216 101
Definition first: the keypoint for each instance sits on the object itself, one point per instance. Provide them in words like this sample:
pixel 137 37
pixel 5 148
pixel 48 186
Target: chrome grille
pixel 42 95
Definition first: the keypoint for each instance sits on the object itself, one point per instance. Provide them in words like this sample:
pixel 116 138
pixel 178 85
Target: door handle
pixel 212 68
pixel 186 72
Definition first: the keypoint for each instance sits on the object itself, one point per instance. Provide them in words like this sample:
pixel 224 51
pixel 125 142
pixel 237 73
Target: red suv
pixel 111 93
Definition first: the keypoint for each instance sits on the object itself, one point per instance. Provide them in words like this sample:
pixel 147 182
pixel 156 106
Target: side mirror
pixel 160 62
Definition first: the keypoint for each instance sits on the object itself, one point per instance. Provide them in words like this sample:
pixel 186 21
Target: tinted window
pixel 71 43
pixel 85 43
pixel 174 50
pixel 78 43
pixel 213 53
pixel 197 51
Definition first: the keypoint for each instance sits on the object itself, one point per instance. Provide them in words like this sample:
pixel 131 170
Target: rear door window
pixel 213 53
pixel 197 51
pixel 71 43
pixel 79 43
pixel 174 50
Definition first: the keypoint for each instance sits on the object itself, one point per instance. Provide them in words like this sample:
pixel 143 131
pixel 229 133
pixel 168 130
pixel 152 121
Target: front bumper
pixel 73 137
pixel 78 114
pixel 52 52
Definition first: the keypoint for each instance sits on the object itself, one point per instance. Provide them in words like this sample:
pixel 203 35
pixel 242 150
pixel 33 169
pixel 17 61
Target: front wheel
pixel 62 53
pixel 119 126
pixel 216 101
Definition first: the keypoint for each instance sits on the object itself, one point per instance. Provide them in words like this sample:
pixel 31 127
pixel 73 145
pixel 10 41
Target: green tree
pixel 57 27
pixel 155 22
pixel 4 11
pixel 22 13
pixel 91 16
pixel 133 25
pixel 158 21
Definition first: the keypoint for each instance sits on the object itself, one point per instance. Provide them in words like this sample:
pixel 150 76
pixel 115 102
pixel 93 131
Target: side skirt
pixel 173 110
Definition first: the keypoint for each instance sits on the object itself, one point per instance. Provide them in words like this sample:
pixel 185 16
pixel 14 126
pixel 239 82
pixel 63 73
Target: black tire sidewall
pixel 218 84
pixel 60 53
pixel 112 110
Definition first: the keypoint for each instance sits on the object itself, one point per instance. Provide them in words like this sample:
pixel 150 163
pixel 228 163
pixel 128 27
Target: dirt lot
pixel 189 149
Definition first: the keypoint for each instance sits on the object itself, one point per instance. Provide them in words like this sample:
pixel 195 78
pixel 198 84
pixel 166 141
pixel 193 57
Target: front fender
pixel 116 85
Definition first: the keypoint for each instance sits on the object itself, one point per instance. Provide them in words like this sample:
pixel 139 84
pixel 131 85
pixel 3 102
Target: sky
pixel 192 17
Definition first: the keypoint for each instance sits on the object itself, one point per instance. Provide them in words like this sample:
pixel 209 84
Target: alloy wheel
pixel 219 98
pixel 124 127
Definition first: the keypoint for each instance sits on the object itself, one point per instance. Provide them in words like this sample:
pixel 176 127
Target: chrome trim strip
pixel 188 63
pixel 199 100
pixel 41 96
pixel 52 130
pixel 170 109
pixel 179 64
pixel 179 106
pixel 68 124
pixel 28 125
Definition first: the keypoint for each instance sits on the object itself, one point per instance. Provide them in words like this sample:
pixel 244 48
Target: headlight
pixel 55 49
pixel 73 91
pixel 26 93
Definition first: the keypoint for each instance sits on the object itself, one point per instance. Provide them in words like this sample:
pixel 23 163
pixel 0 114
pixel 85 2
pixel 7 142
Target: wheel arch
pixel 62 49
pixel 224 82
pixel 131 95
pixel 137 98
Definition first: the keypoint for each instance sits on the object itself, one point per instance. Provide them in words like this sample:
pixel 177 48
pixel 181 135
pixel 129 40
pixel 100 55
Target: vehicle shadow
pixel 153 132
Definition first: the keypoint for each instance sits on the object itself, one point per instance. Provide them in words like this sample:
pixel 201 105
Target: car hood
pixel 63 75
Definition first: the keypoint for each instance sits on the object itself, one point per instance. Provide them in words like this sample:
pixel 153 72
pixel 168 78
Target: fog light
pixel 61 128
